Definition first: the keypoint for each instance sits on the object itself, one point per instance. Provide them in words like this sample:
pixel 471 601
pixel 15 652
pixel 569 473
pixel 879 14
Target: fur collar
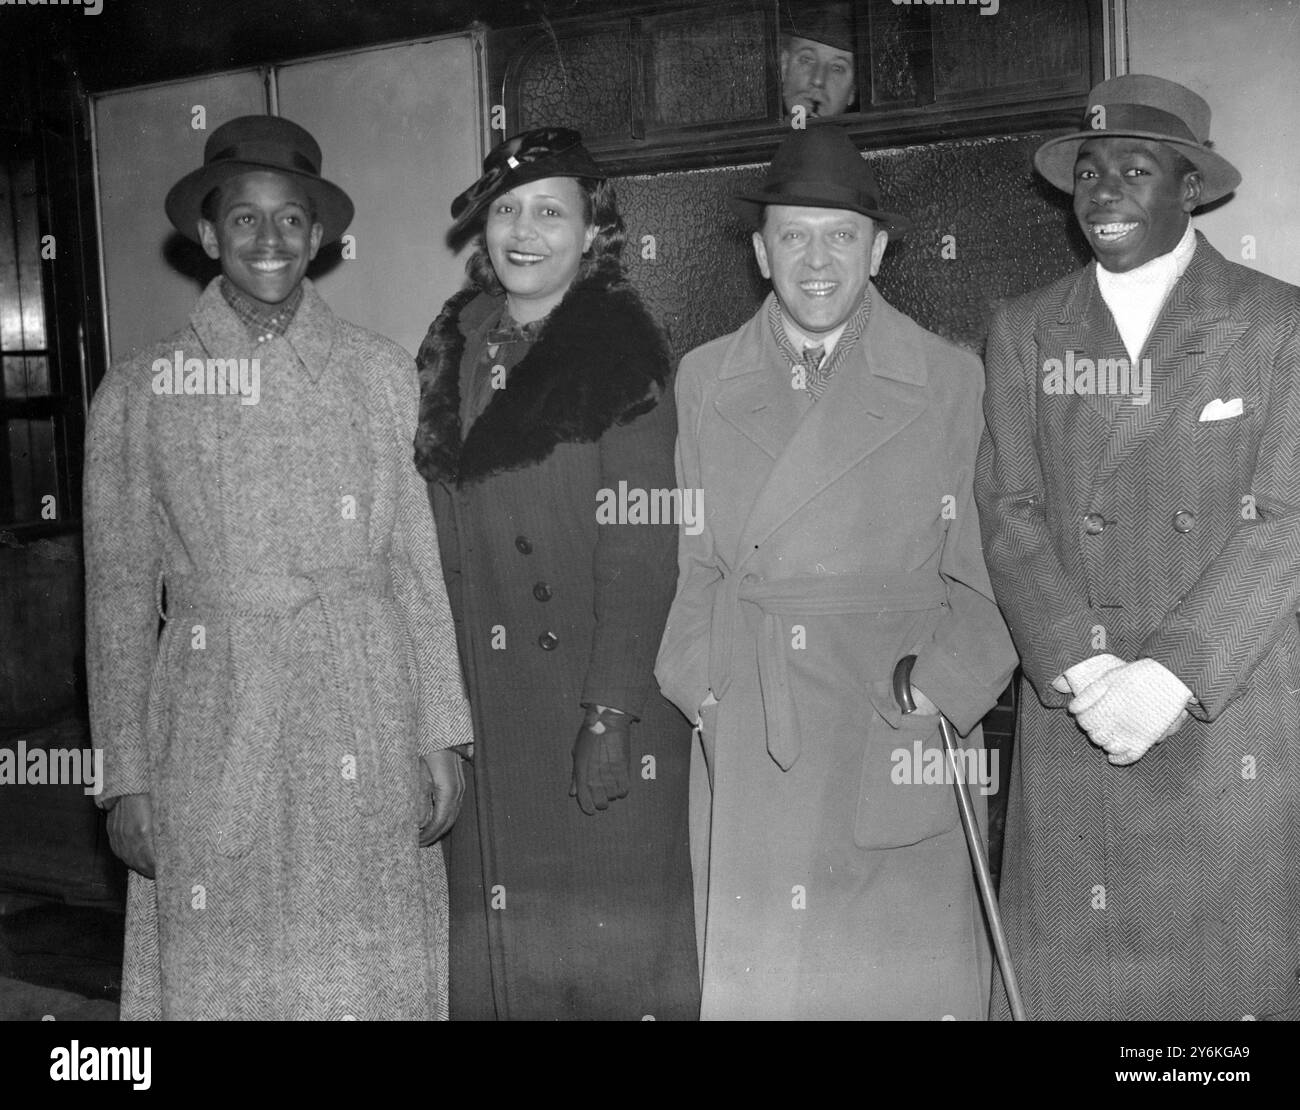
pixel 600 360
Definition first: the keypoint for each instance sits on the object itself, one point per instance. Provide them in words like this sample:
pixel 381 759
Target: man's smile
pixel 1111 232
pixel 269 265
pixel 819 287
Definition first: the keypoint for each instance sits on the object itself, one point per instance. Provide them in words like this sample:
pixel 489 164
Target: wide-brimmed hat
pixel 819 167
pixel 1140 106
pixel 528 156
pixel 250 143
pixel 831 24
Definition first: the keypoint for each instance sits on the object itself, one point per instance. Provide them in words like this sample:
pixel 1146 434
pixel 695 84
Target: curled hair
pixel 599 210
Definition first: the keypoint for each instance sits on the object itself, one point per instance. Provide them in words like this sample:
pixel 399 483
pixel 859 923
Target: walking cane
pixel 903 695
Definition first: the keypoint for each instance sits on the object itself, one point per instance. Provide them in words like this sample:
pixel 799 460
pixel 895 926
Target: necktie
pixel 814 379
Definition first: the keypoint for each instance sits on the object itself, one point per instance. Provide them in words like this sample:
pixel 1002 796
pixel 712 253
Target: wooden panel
pixel 145 143
pixel 399 128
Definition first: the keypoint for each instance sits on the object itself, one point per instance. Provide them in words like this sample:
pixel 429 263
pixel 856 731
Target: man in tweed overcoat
pixel 1139 494
pixel 280 759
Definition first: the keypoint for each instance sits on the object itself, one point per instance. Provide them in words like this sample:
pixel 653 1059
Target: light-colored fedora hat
pixel 1140 106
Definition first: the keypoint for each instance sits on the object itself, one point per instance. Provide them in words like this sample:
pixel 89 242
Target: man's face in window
pixel 816 76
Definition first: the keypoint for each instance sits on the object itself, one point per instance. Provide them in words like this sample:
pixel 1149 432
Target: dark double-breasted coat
pixel 837 538
pixel 557 914
pixel 1169 888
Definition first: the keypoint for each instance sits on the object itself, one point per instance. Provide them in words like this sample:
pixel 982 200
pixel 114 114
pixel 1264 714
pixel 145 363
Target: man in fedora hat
pixel 833 439
pixel 816 59
pixel 1137 491
pixel 279 761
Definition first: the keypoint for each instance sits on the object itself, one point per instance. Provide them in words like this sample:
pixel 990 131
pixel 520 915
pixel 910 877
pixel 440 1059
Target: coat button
pixel 1094 524
pixel 548 641
pixel 1183 520
pixel 542 591
pixel 523 546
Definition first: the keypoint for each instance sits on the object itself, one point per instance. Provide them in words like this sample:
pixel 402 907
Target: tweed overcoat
pixel 1169 888
pixel 557 914
pixel 837 540
pixel 307 656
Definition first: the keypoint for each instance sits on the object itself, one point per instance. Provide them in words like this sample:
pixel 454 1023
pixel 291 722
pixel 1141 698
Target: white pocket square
pixel 1219 409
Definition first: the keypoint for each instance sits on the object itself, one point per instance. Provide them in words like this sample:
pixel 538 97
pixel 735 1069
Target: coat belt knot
pixel 257 677
pixel 802 596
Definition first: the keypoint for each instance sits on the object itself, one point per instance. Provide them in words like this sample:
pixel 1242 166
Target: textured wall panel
pixel 1012 232
pixel 581 82
pixel 704 70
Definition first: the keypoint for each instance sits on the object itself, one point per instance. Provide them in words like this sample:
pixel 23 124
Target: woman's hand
pixel 130 832
pixel 443 787
pixel 601 757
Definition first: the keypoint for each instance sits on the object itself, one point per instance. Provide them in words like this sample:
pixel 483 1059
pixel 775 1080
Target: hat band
pixel 821 189
pixel 269 154
pixel 1137 117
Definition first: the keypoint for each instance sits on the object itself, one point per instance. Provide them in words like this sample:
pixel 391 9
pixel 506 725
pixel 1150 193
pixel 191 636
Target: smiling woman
pixel 536 235
pixel 544 384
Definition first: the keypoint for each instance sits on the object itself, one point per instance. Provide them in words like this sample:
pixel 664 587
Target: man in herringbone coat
pixel 1139 492
pixel 281 756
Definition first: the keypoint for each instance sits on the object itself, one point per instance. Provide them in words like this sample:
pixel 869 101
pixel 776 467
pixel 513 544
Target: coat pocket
pixel 897 806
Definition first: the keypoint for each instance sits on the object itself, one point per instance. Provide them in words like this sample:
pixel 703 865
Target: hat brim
pixel 749 206
pixel 334 209
pixel 468 217
pixel 1055 161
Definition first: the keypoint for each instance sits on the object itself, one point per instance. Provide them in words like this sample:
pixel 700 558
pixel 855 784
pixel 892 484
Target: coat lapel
pixel 1084 328
pixel 311 334
pixel 224 335
pixel 755 395
pixel 1189 337
pixel 873 396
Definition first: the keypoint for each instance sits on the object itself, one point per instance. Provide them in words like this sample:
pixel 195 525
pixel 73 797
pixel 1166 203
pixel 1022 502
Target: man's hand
pixel 924 706
pixel 1132 708
pixel 601 757
pixel 130 833
pixel 1078 678
pixel 442 784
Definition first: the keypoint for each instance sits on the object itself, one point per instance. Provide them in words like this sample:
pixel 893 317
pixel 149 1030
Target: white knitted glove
pixel 1074 680
pixel 1132 708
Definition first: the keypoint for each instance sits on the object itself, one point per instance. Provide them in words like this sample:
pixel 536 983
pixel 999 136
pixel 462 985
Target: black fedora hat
pixel 250 143
pixel 1140 106
pixel 528 156
pixel 819 167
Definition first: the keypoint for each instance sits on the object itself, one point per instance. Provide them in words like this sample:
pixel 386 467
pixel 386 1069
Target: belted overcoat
pixel 837 539
pixel 307 657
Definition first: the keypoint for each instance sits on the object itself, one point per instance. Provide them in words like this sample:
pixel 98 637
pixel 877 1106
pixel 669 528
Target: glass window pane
pixel 33 473
pixel 25 377
pixel 11 315
pixel 28 224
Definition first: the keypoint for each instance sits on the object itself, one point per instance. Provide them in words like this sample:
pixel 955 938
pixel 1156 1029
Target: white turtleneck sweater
pixel 1136 297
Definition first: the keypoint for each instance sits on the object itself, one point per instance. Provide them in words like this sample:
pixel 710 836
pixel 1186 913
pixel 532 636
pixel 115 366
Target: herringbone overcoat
pixel 308 655
pixel 837 539
pixel 1169 888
